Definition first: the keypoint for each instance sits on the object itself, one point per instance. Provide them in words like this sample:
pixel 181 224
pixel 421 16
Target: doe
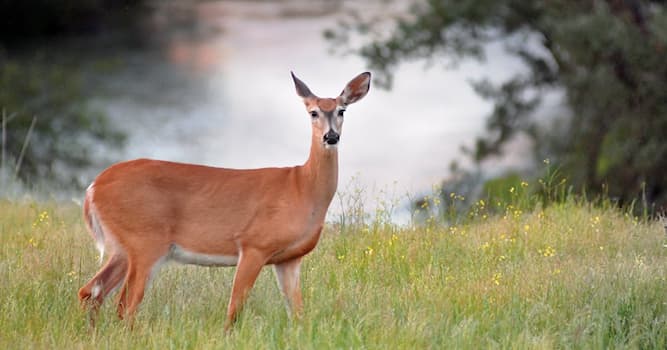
pixel 146 212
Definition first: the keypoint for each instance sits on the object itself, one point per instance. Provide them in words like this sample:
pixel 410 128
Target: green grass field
pixel 569 276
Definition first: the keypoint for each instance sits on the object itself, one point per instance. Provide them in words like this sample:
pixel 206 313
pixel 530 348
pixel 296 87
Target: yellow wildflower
pixel 547 252
pixel 496 278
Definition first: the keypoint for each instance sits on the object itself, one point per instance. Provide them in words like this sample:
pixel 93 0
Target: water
pixel 219 93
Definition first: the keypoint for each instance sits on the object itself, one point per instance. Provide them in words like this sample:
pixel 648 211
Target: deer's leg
pixel 92 294
pixel 249 265
pixel 140 268
pixel 287 275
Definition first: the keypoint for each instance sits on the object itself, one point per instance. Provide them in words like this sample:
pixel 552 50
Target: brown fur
pixel 263 216
pixel 326 104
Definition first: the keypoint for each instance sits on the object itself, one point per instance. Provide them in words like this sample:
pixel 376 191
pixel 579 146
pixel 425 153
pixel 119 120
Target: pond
pixel 217 90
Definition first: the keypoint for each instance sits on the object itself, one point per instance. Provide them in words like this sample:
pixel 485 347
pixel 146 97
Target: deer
pixel 146 212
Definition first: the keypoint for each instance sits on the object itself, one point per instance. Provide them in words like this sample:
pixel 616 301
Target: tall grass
pixel 569 275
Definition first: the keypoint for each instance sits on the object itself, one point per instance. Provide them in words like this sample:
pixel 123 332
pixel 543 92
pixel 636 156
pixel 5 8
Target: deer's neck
pixel 320 172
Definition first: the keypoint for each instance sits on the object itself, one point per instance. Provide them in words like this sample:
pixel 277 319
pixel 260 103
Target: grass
pixel 572 275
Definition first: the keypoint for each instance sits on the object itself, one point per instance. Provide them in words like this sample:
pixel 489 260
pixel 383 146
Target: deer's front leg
pixel 287 275
pixel 248 268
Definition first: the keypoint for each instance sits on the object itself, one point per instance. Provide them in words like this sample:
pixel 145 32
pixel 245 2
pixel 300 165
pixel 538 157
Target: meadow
pixel 568 275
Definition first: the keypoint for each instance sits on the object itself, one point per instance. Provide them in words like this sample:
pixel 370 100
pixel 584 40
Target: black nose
pixel 331 137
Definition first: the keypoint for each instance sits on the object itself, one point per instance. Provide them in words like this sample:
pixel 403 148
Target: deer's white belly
pixel 183 256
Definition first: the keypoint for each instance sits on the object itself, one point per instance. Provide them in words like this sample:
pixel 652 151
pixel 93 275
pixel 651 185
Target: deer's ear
pixel 301 88
pixel 356 89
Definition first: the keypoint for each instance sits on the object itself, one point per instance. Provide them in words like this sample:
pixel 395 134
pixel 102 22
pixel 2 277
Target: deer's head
pixel 327 114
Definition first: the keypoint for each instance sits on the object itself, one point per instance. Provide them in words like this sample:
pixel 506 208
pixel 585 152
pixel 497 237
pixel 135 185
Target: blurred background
pixel 468 96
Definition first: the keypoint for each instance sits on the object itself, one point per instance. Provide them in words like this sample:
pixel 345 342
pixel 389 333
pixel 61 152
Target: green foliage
pixel 28 20
pixel 37 84
pixel 502 189
pixel 607 57
pixel 567 276
pixel 67 130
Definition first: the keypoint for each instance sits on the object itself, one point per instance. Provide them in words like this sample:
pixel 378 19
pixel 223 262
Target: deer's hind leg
pixel 142 266
pixel 107 279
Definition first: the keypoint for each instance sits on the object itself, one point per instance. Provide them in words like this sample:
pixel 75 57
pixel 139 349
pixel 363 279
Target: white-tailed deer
pixel 146 212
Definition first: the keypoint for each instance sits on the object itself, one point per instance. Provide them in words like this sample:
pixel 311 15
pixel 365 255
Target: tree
pixel 36 20
pixel 608 57
pixel 50 130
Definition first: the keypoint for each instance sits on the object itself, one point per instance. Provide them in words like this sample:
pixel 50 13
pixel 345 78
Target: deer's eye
pixel 313 114
pixel 341 112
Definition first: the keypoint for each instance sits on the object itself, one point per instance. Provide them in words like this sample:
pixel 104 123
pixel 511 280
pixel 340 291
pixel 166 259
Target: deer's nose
pixel 331 137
